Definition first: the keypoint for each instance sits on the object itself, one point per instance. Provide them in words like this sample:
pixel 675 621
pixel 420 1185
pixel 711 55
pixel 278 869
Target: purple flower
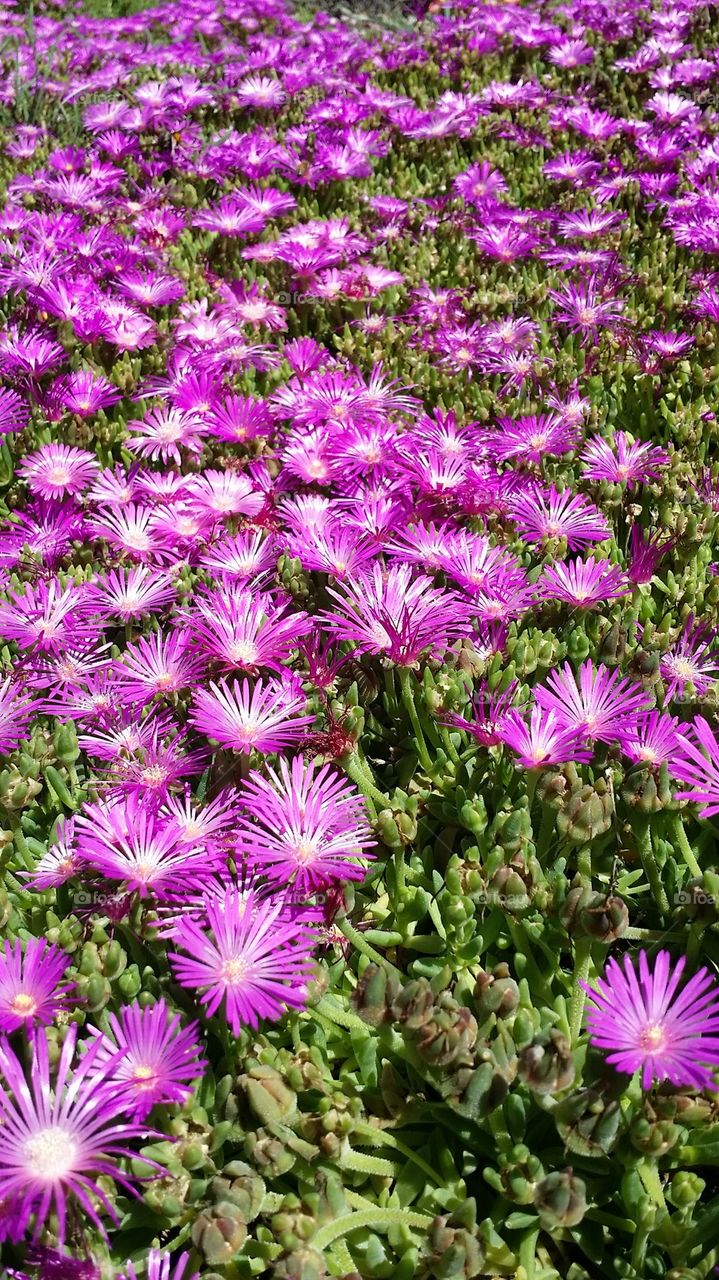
pixel 394 613
pixel 582 583
pixel 303 826
pixel 597 705
pixel 690 661
pixel 648 1027
pixel 160 1267
pixel 57 1136
pixel 29 983
pixel 543 740
pixel 243 717
pixel 248 954
pixel 541 514
pixel 160 1059
pixel 629 463
pixel 697 764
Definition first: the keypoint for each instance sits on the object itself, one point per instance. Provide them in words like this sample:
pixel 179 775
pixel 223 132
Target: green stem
pixel 384 1137
pixel 546 831
pixel 375 1219
pixel 679 837
pixel 651 870
pixel 358 770
pixel 582 962
pixel 408 700
pixel 362 945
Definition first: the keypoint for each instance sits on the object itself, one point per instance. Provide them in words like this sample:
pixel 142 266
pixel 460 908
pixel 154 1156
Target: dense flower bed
pixel 358 608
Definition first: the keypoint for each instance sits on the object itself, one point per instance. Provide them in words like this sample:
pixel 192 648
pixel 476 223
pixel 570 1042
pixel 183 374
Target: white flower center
pixel 51 1154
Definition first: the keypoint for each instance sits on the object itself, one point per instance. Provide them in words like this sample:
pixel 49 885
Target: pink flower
pixel 243 717
pixel 160 1059
pixel 597 705
pixel 303 826
pixel 648 1027
pixel 248 955
pixel 29 978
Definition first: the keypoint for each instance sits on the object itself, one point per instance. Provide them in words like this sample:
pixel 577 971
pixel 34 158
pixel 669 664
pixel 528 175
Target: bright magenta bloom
pixel 393 613
pixel 161 1058
pixel 29 983
pixel 57 1136
pixel 597 705
pixel 304 826
pixel 249 955
pixel 648 1027
pixel 697 765
pixel 244 717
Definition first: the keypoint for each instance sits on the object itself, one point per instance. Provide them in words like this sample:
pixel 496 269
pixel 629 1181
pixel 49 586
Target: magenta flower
pixel 582 583
pixel 550 514
pixel 303 826
pixel 160 1059
pixel 160 1266
pixel 597 705
pixel 17 710
pixel 127 594
pixel 58 1136
pixel 543 740
pixel 248 955
pixel 394 613
pixel 488 713
pixel 262 717
pixel 653 739
pixel 29 983
pixel 649 1028
pixel 690 661
pixel 629 462
pixel 697 764
pixel 129 842
pixel 57 470
pixel 645 554
pixel 246 630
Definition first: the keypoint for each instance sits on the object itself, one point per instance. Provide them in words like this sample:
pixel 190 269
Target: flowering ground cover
pixel 359 502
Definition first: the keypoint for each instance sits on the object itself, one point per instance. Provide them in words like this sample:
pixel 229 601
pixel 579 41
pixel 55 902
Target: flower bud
pixel 546 1065
pixel 269 1097
pixel 374 994
pixel 560 1200
pixel 496 993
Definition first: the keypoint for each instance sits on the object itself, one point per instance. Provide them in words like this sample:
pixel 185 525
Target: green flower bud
pixel 450 1252
pixel 129 983
pixel 685 1189
pixel 652 1136
pixel 374 994
pixel 496 993
pixel 269 1097
pixel 587 813
pixel 414 1004
pixel 65 743
pixel 302 1263
pixel 560 1200
pixel 546 1065
pixel 218 1234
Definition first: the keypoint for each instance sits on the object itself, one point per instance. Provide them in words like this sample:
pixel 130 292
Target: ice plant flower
pixel 160 1061
pixel 542 740
pixel 262 717
pixel 303 826
pixel 697 765
pixel 648 1024
pixel 161 1265
pixel 30 988
pixel 59 1135
pixel 629 462
pixel 248 955
pixel 597 705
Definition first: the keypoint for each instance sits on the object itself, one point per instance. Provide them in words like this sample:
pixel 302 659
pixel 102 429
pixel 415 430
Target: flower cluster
pixel 359 528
